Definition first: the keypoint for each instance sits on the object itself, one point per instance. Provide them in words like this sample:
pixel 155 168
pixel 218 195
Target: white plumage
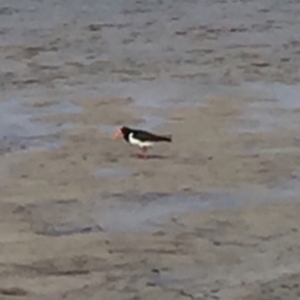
pixel 137 142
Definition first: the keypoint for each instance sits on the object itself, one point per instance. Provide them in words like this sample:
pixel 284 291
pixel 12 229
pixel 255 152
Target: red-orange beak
pixel 118 134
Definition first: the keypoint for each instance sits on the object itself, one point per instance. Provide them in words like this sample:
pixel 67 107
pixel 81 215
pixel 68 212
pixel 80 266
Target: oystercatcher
pixel 141 138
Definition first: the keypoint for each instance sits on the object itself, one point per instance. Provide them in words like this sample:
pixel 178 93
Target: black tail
pixel 166 138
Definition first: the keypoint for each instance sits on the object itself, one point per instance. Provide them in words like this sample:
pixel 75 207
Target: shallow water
pixel 273 150
pixel 271 107
pixel 284 189
pixel 19 129
pixel 63 107
pixel 278 95
pixel 112 173
pixel 138 213
pixel 149 212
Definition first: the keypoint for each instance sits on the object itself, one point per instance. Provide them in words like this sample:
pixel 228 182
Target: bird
pixel 141 138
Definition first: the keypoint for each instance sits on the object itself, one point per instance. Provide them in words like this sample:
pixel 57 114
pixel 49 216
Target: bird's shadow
pixel 149 156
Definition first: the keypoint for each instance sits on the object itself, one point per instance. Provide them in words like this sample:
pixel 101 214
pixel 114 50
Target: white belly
pixel 134 141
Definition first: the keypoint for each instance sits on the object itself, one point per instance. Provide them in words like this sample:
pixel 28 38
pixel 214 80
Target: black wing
pixel 146 136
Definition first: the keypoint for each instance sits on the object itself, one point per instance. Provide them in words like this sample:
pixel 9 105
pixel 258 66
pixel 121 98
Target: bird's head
pixel 121 132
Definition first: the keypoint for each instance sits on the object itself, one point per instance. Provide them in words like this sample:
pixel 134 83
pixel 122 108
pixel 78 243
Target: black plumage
pixel 141 138
pixel 144 136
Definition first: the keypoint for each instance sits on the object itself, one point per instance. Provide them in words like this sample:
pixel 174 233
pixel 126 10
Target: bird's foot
pixel 141 155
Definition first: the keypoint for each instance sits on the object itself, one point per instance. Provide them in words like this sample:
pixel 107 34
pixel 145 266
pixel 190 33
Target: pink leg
pixel 144 152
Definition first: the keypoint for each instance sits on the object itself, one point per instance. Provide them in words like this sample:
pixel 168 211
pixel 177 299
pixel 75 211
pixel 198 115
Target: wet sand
pixel 214 215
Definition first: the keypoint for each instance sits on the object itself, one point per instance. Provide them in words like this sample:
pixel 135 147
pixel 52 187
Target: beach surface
pixel 214 214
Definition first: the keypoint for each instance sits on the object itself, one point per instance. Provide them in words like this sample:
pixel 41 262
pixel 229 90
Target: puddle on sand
pixel 20 131
pixel 38 143
pixel 63 107
pixel 132 212
pixel 149 211
pixel 165 92
pixel 278 95
pixel 273 151
pixel 112 173
pixel 149 215
pixel 284 189
pixel 144 212
pixel 270 110
pixel 154 94
pixel 59 217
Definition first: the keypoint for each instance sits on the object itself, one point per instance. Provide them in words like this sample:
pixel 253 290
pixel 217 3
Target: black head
pixel 123 132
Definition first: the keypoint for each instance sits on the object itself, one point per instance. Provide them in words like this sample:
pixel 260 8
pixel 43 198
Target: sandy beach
pixel 214 214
